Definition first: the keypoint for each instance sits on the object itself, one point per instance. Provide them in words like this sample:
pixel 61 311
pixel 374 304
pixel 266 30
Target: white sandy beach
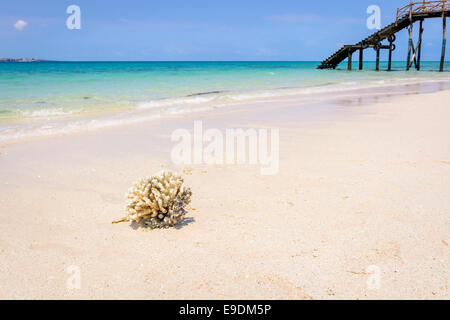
pixel 363 186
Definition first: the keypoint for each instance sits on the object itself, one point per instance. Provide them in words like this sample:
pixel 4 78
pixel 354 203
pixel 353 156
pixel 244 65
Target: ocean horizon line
pixel 197 61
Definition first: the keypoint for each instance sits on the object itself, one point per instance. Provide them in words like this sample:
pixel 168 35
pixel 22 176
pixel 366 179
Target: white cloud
pixel 20 25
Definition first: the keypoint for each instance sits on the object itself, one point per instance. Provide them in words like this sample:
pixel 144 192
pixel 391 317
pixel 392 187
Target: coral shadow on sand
pixel 186 221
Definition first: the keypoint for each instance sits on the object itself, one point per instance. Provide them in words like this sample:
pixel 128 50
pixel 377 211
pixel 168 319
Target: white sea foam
pixel 46 112
pixel 164 103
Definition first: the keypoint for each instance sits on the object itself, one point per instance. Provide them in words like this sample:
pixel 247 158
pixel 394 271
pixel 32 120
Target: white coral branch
pixel 158 201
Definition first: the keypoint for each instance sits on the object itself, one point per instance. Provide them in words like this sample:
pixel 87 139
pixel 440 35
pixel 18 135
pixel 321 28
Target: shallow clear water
pixel 36 98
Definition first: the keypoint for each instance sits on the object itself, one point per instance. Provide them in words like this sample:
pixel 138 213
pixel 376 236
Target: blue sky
pixel 197 29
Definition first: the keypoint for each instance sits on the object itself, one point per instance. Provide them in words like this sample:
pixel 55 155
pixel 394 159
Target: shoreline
pixel 363 188
pixel 80 123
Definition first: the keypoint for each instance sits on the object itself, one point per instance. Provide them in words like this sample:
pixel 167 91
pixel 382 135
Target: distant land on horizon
pixel 19 60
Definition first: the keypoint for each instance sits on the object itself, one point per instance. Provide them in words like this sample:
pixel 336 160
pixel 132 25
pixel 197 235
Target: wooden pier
pixel 405 18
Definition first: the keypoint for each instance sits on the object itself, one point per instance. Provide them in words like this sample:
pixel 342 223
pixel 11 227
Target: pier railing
pixel 423 7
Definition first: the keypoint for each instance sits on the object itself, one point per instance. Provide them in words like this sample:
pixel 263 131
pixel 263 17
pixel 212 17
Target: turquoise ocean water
pixel 52 97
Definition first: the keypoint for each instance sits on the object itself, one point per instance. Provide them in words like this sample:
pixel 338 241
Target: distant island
pixel 18 60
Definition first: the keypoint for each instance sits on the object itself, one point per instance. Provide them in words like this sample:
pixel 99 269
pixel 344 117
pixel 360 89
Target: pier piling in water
pixel 361 55
pixel 378 59
pixel 444 41
pixel 419 50
pixel 410 41
pixel 391 40
pixel 349 61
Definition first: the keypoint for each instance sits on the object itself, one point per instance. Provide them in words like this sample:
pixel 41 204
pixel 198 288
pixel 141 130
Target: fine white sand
pixel 363 191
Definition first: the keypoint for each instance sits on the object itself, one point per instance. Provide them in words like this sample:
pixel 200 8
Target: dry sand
pixel 363 187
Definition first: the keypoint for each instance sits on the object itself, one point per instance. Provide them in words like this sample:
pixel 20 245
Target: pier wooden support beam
pixel 444 41
pixel 361 57
pixel 391 48
pixel 349 60
pixel 419 45
pixel 378 59
pixel 410 44
pixel 390 57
